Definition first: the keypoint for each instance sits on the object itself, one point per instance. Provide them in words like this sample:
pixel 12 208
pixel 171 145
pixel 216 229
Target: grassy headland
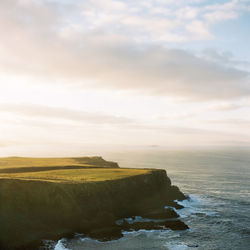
pixel 49 198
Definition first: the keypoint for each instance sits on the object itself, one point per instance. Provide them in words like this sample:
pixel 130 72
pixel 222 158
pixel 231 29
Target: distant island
pixel 50 198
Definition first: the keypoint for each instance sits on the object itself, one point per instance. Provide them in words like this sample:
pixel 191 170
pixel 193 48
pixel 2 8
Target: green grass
pixel 25 162
pixel 76 175
pixel 68 170
pixel 16 162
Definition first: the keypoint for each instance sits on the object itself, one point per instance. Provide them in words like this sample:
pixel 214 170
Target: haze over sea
pixel 218 212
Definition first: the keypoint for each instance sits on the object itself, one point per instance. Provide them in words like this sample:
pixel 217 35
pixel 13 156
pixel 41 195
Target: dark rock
pixel 142 225
pixel 103 219
pixel 161 214
pixel 176 194
pixel 174 224
pixel 191 245
pixel 151 225
pixel 106 233
pixel 174 204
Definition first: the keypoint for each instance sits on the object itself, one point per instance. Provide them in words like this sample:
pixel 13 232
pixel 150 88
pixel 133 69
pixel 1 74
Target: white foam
pixel 141 231
pixel 136 219
pixel 88 239
pixel 195 205
pixel 174 246
pixel 60 245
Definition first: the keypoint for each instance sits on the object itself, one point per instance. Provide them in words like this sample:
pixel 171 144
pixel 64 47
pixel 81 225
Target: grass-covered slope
pixel 64 170
pixel 27 164
pixel 76 175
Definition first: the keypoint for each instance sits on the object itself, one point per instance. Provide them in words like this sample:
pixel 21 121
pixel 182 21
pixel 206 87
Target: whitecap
pixel 60 245
pixel 88 239
pixel 174 246
pixel 141 231
pixel 195 206
pixel 131 220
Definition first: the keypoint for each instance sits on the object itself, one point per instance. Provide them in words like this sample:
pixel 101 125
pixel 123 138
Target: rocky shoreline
pixel 156 220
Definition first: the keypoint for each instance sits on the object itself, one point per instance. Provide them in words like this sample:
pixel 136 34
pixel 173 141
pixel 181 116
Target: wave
pixel 134 219
pixel 180 246
pixel 174 246
pixel 196 205
pixel 140 232
pixel 60 245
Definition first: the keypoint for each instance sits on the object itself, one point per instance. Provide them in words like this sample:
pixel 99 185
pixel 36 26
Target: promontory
pixel 50 198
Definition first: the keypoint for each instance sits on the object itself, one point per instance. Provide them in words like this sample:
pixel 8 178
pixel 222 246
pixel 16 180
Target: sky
pixel 112 73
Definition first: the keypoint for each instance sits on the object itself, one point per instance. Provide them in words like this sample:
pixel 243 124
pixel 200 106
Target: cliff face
pixel 35 210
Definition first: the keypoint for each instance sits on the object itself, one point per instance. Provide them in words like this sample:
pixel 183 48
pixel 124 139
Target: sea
pixel 217 213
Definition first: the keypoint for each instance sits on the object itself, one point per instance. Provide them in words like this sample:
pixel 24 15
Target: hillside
pixel 76 175
pixel 28 164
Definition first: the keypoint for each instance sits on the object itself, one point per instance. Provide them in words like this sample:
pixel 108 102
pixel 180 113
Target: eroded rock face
pixel 158 219
pixel 161 214
pixel 115 232
pixel 31 210
pixel 152 225
pixel 106 233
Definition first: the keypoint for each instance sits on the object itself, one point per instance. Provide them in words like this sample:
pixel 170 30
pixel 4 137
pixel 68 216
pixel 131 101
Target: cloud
pixel 199 29
pixel 229 106
pixel 55 117
pixel 233 122
pixel 224 11
pixel 181 130
pixel 226 58
pixel 187 12
pixel 152 70
pixel 226 107
pixel 119 46
pixel 58 113
pixel 29 124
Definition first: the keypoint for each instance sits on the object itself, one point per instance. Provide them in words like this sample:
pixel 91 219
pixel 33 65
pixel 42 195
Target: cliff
pixel 53 204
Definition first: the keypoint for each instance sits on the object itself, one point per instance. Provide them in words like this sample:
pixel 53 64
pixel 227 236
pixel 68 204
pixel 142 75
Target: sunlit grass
pixel 22 162
pixel 68 170
pixel 76 175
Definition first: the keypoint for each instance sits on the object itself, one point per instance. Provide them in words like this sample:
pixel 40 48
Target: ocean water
pixel 218 212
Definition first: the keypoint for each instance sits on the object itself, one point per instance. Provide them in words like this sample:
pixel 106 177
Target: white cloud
pixel 152 70
pixel 58 113
pixel 227 106
pixel 199 29
pixel 187 13
pixel 133 19
pixel 245 123
pixel 225 11
pixel 119 45
pixel 216 16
